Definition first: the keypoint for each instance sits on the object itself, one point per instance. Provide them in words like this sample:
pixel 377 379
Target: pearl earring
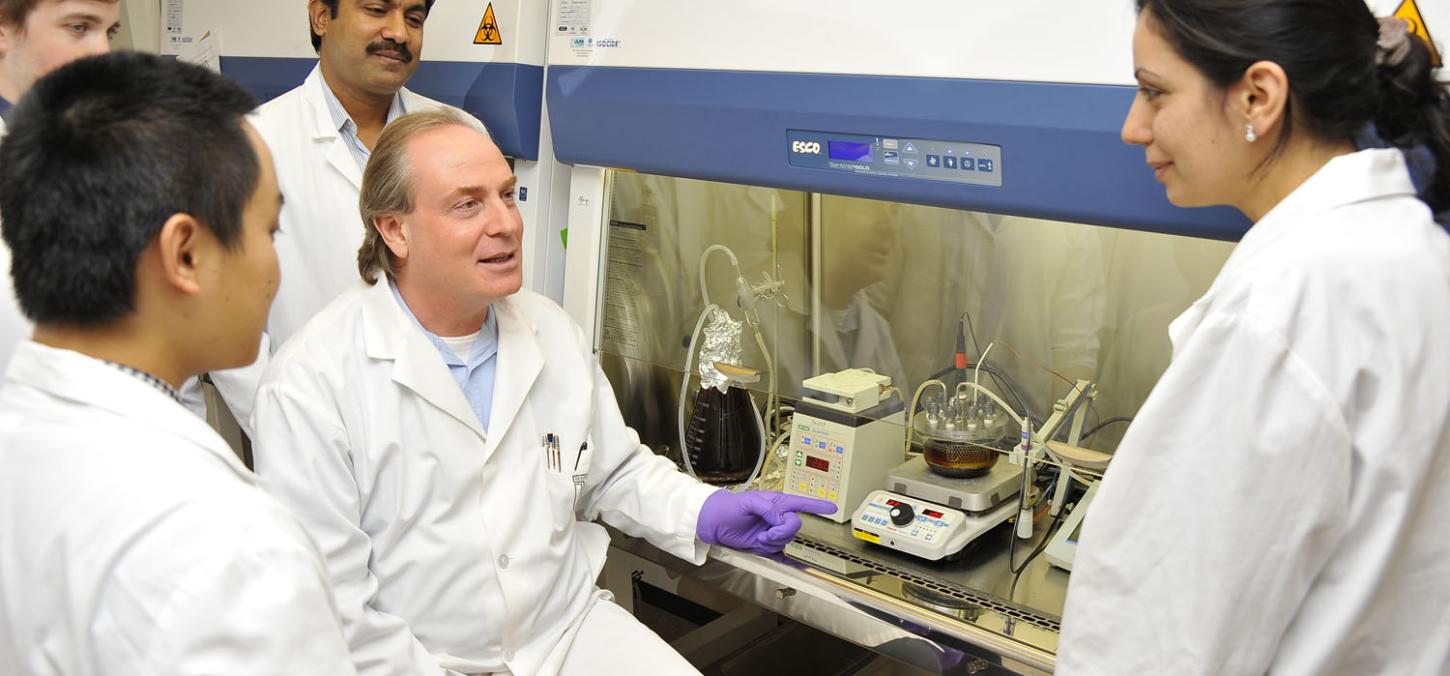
pixel 1249 134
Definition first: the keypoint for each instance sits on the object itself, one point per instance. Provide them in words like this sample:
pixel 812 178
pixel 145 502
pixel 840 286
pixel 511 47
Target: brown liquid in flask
pixel 722 438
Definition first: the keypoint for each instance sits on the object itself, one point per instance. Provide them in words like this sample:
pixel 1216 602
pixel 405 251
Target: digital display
pixel 892 503
pixel 817 463
pixel 932 513
pixel 849 151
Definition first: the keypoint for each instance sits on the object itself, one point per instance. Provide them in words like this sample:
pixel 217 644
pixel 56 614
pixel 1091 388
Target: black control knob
pixel 902 514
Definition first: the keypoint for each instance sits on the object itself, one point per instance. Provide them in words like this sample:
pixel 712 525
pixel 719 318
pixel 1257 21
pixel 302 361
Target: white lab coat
pixel 320 181
pixel 1279 504
pixel 14 327
pixel 136 543
pixel 442 537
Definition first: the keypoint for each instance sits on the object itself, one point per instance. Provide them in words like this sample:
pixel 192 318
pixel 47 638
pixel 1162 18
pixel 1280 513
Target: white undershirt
pixel 462 346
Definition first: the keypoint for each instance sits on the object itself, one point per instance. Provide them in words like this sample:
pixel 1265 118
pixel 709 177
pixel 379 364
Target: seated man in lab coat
pixel 448 439
pixel 139 205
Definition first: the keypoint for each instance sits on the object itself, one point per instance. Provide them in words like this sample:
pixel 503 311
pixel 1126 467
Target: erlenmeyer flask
pixel 722 439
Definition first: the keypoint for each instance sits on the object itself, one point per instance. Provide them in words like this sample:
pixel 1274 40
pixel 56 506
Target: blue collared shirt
pixel 474 376
pixel 348 129
pixel 4 108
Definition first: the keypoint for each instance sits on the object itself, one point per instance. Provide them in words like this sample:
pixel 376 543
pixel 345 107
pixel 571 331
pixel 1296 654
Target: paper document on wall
pixel 172 36
pixel 573 17
pixel 205 52
pixel 623 330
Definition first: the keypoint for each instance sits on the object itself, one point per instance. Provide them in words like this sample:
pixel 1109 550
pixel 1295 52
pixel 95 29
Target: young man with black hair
pixel 139 205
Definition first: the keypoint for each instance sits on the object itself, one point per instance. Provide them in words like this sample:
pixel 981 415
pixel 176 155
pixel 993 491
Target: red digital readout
pixel 892 503
pixel 817 463
pixel 932 513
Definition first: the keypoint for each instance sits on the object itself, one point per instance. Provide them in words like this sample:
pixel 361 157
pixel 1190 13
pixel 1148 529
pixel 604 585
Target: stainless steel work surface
pixel 905 620
pixel 974 590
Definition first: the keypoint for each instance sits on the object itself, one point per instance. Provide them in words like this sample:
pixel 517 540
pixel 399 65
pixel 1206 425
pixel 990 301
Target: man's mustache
pixel 395 47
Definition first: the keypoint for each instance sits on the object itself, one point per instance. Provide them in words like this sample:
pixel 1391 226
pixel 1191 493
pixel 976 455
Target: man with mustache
pixel 323 132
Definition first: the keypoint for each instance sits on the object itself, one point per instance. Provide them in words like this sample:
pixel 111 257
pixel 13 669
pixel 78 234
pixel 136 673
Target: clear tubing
pixel 977 377
pixel 772 395
pixel 705 290
pixel 911 410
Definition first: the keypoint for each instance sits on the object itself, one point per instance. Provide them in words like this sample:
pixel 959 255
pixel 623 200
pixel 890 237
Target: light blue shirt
pixel 348 129
pixel 474 376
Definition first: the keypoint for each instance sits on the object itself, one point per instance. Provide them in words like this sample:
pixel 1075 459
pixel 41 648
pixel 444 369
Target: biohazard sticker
pixel 488 33
pixel 1409 12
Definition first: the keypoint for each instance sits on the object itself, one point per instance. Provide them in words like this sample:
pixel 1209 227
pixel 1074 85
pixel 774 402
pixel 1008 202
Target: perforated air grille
pixel 940 587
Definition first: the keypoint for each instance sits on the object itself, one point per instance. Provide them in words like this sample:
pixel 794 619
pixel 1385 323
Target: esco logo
pixel 805 147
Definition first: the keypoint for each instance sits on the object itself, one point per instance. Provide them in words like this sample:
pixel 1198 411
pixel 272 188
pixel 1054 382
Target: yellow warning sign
pixel 1409 12
pixel 488 33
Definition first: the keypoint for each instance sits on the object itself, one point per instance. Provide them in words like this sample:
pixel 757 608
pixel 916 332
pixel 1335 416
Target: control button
pixel 933 160
pixel 801 486
pixel 797 462
pixel 949 162
pixel 909 148
pixel 910 163
pixel 890 144
pixel 969 164
pixel 821 491
pixel 833 495
pixel 928 537
pixel 807 441
pixel 821 444
pixel 891 157
pixel 503 561
pixel 941 524
pixel 840 449
pixel 915 533
pixel 984 164
pixel 902 514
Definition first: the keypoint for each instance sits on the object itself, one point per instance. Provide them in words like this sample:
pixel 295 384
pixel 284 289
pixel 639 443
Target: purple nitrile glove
pixel 759 522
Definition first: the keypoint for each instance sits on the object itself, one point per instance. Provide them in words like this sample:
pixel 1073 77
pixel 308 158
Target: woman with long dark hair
pixel 1280 503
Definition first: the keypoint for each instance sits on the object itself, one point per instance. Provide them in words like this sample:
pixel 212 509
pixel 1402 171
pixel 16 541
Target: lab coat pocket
pixel 558 471
pixel 562 499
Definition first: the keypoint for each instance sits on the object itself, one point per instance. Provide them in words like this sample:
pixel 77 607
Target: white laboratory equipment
pixel 975 496
pixel 1063 546
pixel 845 436
pixel 959 507
pixel 922 528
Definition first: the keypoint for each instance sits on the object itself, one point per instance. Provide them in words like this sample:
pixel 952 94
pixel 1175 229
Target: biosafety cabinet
pixel 484 57
pixel 934 193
